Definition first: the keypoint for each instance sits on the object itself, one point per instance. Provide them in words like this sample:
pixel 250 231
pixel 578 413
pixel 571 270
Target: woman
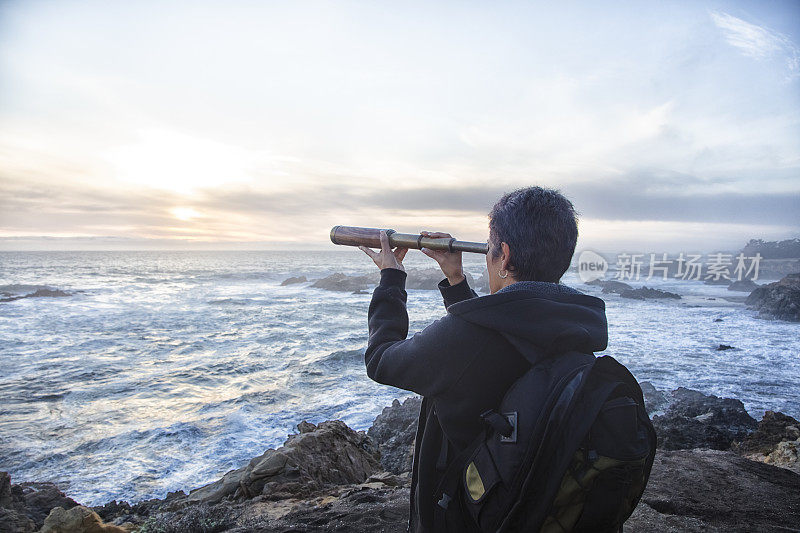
pixel 463 363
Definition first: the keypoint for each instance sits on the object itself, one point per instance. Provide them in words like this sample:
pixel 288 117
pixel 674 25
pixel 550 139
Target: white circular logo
pixel 591 266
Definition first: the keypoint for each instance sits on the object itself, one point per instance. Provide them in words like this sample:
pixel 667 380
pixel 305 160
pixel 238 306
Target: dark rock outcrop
pixel 723 347
pixel 779 300
pixel 77 519
pixel 696 420
pixel 482 285
pixel 319 456
pixel 344 283
pixel 358 510
pixel 708 490
pixel 39 293
pixel 654 399
pixel 611 286
pixel 394 431
pixel 718 281
pixel 689 491
pixel 645 293
pixel 25 506
pixel 786 249
pixel 743 285
pixel 776 442
pixel 773 428
pixel 293 280
pixel 326 478
pixel 424 279
pixel 429 278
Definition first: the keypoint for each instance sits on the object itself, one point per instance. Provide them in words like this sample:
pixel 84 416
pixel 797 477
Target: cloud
pixel 758 42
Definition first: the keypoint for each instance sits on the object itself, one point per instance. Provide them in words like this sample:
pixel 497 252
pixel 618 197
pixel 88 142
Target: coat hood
pixel 540 323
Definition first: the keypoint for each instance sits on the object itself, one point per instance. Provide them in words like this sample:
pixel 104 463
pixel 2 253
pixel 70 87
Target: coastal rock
pixel 709 490
pixel 329 454
pixel 689 491
pixel 774 428
pixel 743 285
pixel 424 279
pixel 24 507
pixel 78 519
pixel 429 278
pixel 293 280
pixel 696 420
pixel 776 441
pixel 482 285
pixel 39 293
pixel 356 510
pixel 344 283
pixel 654 399
pixel 612 286
pixel 719 281
pixel 199 518
pixel 723 347
pixel 393 431
pixel 779 300
pixel 786 455
pixel 645 293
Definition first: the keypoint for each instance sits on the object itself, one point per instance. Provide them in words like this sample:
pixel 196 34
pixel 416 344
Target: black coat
pixel 463 363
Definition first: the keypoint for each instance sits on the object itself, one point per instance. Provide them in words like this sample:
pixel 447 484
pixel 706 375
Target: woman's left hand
pixel 386 258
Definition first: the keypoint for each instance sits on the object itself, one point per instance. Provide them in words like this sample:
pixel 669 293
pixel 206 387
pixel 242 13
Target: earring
pixel 504 276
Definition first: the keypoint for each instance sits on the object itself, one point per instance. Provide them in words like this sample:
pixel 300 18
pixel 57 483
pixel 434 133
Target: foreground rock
pixel 708 490
pixel 776 441
pixel 327 478
pixel 394 431
pixel 78 519
pixel 696 420
pixel 779 300
pixel 317 457
pixel 693 491
pixel 24 507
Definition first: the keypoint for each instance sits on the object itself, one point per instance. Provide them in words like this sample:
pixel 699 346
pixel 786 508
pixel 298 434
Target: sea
pixel 149 372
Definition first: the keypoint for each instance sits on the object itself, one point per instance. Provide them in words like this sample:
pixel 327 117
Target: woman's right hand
pixel 449 262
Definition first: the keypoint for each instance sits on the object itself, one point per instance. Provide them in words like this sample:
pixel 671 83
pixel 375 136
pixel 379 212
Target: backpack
pixel 570 448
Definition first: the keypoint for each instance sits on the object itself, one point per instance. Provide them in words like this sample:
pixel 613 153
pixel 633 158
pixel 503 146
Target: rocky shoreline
pixel 717 469
pixel 777 300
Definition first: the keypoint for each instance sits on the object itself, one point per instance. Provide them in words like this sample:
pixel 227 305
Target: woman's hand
pixel 386 258
pixel 449 262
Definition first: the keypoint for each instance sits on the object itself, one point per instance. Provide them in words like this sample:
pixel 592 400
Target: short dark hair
pixel 541 228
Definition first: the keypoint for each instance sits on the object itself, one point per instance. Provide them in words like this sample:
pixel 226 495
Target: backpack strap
pixel 447 492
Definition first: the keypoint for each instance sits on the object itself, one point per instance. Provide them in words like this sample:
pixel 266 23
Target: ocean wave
pixel 337 360
pixel 231 301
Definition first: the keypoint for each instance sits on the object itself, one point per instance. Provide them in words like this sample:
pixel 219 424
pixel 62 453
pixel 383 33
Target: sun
pixel 185 213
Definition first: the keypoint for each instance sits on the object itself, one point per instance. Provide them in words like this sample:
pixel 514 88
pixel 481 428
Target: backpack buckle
pixel 512 421
pixel 505 424
pixel 444 502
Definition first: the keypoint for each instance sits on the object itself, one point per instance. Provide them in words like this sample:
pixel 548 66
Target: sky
pixel 259 125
